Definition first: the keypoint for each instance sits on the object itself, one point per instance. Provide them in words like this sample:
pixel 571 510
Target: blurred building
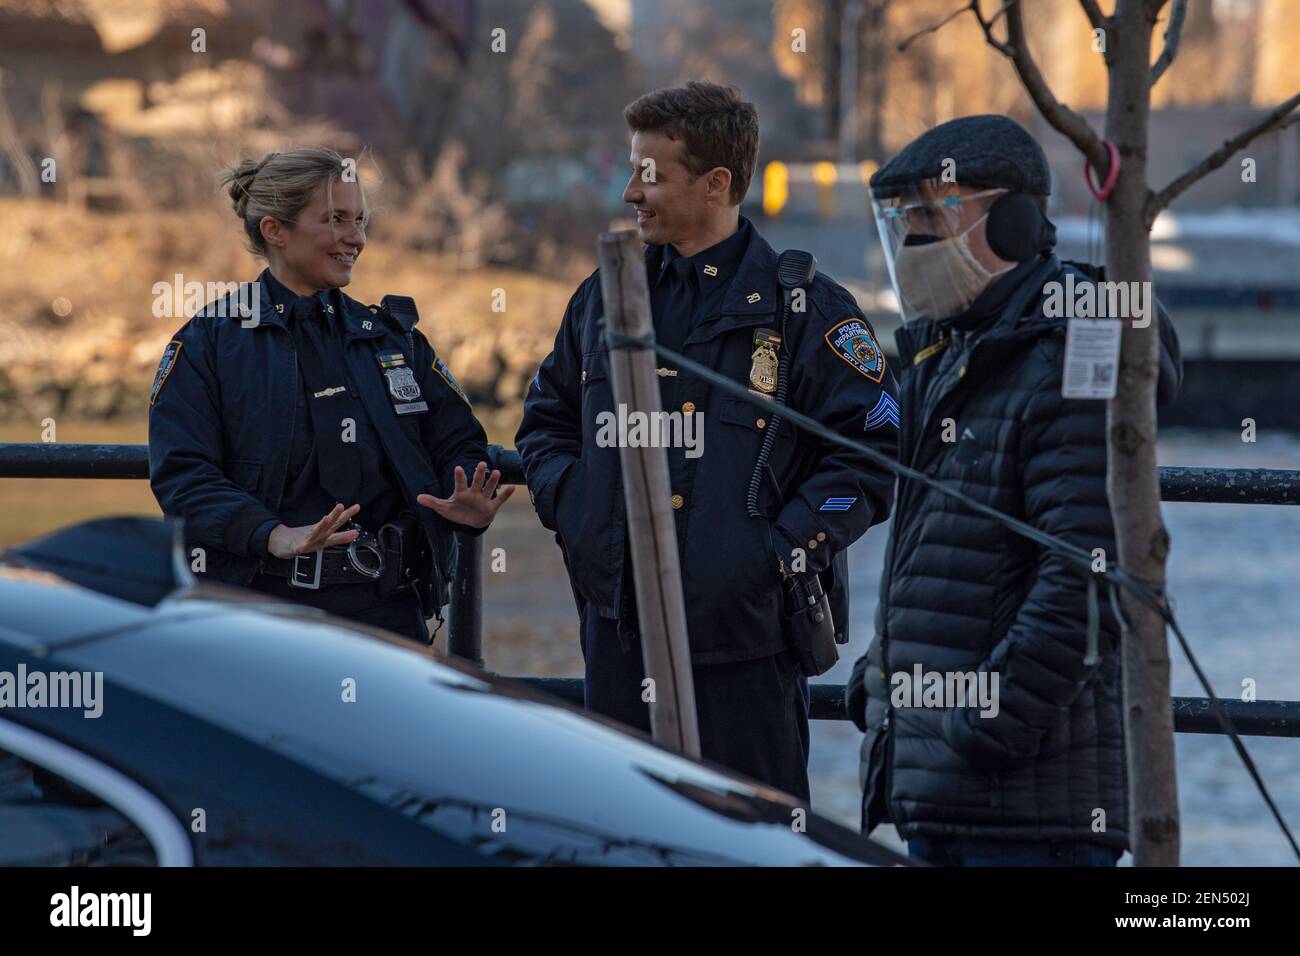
pixel 81 78
pixel 1236 58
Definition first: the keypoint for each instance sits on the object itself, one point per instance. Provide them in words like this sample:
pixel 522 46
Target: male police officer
pixel 1029 770
pixel 715 298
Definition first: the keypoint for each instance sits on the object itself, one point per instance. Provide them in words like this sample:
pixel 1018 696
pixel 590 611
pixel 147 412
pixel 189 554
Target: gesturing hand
pixel 286 542
pixel 471 504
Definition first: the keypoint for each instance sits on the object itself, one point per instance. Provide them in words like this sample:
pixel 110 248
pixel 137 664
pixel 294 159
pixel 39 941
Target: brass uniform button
pixel 812 543
pixel 821 535
pixel 688 408
pixel 584 374
pixel 678 501
pixel 761 423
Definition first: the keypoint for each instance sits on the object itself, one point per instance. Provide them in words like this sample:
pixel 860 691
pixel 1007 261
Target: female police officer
pixel 316 448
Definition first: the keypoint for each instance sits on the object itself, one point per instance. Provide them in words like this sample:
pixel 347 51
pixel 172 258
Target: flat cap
pixel 990 151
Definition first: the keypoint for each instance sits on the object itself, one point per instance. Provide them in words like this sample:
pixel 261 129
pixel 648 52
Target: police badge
pixel 765 368
pixel 401 384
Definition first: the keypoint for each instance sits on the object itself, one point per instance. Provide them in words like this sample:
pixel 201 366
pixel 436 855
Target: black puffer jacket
pixel 963 593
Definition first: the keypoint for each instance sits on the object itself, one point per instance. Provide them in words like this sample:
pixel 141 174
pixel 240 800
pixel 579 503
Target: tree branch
pixel 1063 119
pixel 1016 48
pixel 902 47
pixel 1095 16
pixel 974 7
pixel 987 25
pixel 1277 118
pixel 1173 34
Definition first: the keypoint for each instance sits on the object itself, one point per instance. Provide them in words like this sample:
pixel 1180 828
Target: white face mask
pixel 941 279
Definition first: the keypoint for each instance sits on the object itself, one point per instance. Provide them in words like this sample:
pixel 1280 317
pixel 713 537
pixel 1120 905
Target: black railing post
pixel 465 619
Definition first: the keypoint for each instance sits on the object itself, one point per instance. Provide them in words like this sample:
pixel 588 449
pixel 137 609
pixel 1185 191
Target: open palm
pixel 471 503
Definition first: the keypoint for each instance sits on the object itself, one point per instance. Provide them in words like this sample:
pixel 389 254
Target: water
pixel 1234 576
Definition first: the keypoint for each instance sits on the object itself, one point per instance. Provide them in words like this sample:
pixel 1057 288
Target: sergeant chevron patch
pixel 885 413
pixel 852 341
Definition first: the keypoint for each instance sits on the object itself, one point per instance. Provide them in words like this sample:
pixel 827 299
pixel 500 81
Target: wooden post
pixel 652 533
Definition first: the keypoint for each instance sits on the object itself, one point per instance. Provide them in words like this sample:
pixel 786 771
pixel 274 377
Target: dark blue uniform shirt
pixel 687 290
pixel 683 293
pixel 305 499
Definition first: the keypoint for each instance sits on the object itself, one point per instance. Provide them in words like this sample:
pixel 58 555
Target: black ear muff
pixel 1018 229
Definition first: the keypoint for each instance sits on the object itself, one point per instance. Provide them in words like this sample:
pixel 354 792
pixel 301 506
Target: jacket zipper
pixel 888 725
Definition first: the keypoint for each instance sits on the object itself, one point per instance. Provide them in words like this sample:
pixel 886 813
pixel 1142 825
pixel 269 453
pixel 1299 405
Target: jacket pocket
pixel 1056 741
pixel 246 474
pixel 583 520
pixel 746 415
pixel 597 391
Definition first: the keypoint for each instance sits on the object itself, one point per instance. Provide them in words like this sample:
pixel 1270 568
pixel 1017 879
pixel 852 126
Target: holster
pixel 406 559
pixel 811 624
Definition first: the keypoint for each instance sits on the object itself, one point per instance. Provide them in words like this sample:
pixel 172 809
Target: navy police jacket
pixel 829 496
pixel 221 419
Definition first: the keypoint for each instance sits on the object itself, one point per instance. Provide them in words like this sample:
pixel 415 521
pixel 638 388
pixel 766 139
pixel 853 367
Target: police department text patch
pixel 440 367
pixel 852 341
pixel 165 367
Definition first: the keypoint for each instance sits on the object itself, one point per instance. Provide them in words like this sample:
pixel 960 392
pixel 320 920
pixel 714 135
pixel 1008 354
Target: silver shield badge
pixel 401 384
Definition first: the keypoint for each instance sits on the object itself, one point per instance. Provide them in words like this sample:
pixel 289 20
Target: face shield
pixel 930 251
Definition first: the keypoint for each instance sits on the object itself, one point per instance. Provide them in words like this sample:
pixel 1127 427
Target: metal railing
pixel 1192 715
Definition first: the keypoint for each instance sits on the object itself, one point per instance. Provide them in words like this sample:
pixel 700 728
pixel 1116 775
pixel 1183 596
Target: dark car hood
pixel 520 776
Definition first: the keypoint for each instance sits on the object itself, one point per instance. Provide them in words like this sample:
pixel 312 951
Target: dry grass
pixel 78 334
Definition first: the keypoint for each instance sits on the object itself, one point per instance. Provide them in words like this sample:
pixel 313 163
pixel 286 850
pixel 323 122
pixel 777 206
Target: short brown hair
pixel 715 125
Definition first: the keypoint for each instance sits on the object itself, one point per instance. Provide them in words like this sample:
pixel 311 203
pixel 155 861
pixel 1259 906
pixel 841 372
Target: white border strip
pixel 170 841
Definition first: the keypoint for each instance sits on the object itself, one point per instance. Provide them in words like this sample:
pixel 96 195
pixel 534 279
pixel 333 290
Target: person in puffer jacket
pixel 990 740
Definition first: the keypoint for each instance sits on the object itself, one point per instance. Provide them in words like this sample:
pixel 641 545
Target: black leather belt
pixel 392 560
pixel 337 565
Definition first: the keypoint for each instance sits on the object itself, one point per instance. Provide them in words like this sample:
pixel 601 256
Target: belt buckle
pixel 296 580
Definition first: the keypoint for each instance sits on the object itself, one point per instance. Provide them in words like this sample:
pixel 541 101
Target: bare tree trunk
pixel 1132 480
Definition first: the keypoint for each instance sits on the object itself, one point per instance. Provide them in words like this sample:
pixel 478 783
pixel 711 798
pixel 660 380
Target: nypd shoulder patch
pixel 444 373
pixel 852 341
pixel 165 367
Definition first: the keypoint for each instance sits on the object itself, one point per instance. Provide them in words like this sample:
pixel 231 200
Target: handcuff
pixel 369 544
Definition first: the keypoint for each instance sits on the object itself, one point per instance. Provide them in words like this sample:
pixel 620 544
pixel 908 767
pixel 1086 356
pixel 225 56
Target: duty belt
pixel 337 565
pixel 389 560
